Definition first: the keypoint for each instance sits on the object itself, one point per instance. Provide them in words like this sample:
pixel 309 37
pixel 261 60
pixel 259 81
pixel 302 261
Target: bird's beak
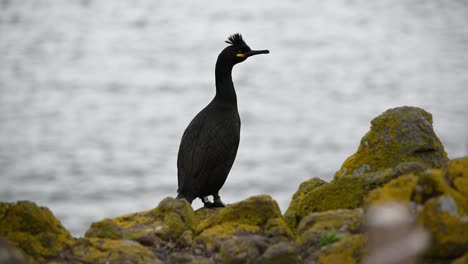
pixel 256 52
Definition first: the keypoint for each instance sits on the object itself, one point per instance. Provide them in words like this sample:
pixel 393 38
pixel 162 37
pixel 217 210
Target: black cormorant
pixel 209 144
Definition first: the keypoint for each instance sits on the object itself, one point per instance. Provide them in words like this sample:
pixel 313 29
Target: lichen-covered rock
pixel 347 192
pixel 398 190
pixel 421 186
pixel 457 174
pixel 349 250
pixel 169 220
pixel 290 216
pixel 257 214
pixel 448 226
pixel 98 250
pixel 341 193
pixel 181 251
pixel 340 222
pixel 239 250
pixel 401 134
pixel 106 228
pixel 34 229
pixel 378 178
pixel 204 213
pixel 283 252
pixel 442 206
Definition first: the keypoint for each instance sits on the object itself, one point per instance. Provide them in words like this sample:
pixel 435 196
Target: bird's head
pixel 238 50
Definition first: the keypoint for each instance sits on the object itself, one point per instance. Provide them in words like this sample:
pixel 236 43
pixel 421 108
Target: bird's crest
pixel 235 39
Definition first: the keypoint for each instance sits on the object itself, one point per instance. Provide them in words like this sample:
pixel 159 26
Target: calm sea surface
pixel 95 95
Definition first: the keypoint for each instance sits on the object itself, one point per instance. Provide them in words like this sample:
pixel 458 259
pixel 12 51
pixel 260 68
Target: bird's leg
pixel 206 202
pixel 189 199
pixel 217 201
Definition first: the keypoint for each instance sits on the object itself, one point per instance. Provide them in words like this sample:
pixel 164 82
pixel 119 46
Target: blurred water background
pixel 95 95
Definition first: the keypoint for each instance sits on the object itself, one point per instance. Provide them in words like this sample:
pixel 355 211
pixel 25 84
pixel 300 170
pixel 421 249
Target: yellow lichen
pixel 229 229
pixel 447 226
pixel 105 229
pixel 345 192
pixel 169 220
pixel 400 189
pixel 402 134
pixel 33 229
pixel 209 236
pixel 290 216
pixel 255 214
pixel 278 227
pixel 204 213
pixel 255 210
pixel 462 185
pixel 341 193
pixel 457 173
pixel 445 187
pixel 443 206
pixel 96 250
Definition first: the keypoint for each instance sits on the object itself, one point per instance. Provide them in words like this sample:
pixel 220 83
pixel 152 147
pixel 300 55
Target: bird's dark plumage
pixel 235 39
pixel 209 144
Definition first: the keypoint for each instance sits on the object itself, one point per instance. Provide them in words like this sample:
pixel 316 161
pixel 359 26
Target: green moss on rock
pixel 169 220
pixel 400 189
pixel 346 192
pixel 204 213
pixel 34 229
pixel 349 250
pixel 401 134
pixel 341 193
pixel 255 214
pixel 329 237
pixel 340 222
pixel 457 174
pixel 291 216
pixel 105 229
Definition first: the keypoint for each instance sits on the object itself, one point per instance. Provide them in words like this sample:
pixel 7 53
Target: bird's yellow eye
pixel 240 55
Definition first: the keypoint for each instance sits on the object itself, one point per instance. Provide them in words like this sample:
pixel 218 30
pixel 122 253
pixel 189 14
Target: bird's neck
pixel 225 91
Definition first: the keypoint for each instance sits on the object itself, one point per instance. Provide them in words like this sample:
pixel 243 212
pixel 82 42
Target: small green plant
pixel 329 237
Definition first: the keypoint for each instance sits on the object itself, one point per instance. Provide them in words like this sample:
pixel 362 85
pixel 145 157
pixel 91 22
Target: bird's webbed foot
pixel 206 202
pixel 217 201
pixel 216 204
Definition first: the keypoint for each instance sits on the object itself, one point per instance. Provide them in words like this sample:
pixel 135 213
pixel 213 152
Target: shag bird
pixel 209 144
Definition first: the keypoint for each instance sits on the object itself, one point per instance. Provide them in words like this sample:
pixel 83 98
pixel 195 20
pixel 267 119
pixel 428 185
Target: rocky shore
pixel 400 163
